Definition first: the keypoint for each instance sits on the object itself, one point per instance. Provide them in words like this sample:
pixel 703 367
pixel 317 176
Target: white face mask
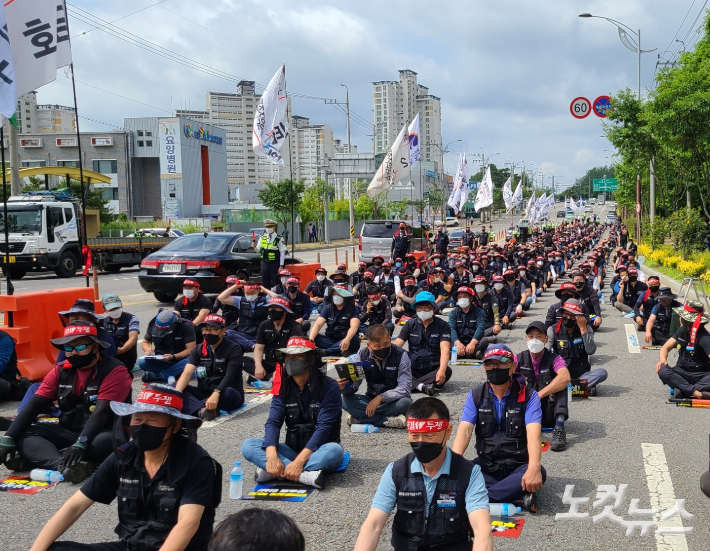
pixel 437 260
pixel 284 280
pixel 497 286
pixel 480 288
pixel 522 273
pixel 269 231
pixel 320 277
pixel 338 300
pixel 535 345
pixel 474 268
pixel 189 293
pixel 463 303
pixel 425 314
pixel 115 313
pixel 376 302
pixel 251 298
pixel 539 263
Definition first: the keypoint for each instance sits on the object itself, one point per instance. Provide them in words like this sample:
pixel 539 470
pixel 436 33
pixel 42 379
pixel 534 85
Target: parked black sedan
pixel 207 257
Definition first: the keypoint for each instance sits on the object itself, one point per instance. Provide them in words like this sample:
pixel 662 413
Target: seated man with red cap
pixel 406 298
pixel 318 288
pixel 309 403
pixel 356 277
pixel 218 365
pixel 193 306
pixel 376 311
pixel 299 303
pixel 690 378
pixel 280 289
pixel 83 386
pixel 468 324
pixel 506 416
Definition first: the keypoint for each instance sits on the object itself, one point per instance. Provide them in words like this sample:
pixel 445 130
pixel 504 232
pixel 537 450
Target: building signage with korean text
pixel 201 134
pixel 170 159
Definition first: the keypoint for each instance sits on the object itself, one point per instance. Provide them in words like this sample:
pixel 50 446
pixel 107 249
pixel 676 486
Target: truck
pixel 44 233
pixel 600 199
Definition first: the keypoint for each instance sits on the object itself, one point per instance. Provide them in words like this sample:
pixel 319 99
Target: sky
pixel 506 71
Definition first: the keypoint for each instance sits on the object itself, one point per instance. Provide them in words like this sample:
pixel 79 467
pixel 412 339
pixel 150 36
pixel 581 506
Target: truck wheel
pixel 15 272
pixel 165 297
pixel 68 265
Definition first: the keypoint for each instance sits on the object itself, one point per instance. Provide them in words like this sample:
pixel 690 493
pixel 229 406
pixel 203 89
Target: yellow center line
pixel 139 302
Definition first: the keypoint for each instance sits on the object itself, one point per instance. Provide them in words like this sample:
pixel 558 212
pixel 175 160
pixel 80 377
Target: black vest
pixel 689 359
pixel 648 304
pixel 466 323
pixel 463 280
pixel 486 302
pixel 664 318
pixel 546 373
pixel 571 348
pixel 631 294
pixel 301 422
pixel 299 304
pixel 119 332
pixel 76 410
pixel 10 372
pixel 377 315
pixel 172 342
pixel 445 525
pixel 230 313
pixel 379 381
pixel 388 287
pixel 424 352
pixel 338 321
pixel 400 242
pixel 215 367
pixel 249 319
pixel 275 339
pixel 502 447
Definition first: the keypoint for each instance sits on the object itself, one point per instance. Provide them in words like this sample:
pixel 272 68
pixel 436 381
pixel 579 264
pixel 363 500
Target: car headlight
pixel 33 250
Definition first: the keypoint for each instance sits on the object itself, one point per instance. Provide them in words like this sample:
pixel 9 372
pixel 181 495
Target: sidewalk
pixel 319 245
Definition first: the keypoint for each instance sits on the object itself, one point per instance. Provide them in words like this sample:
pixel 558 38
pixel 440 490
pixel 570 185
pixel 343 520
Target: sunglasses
pixel 77 348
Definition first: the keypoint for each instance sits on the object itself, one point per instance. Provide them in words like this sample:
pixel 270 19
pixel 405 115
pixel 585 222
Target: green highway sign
pixel 605 184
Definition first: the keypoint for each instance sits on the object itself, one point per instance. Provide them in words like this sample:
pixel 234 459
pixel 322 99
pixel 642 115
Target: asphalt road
pixel 628 434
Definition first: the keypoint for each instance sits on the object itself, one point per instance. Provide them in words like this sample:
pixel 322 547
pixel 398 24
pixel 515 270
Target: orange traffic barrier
pixel 36 320
pixel 307 272
pixel 419 255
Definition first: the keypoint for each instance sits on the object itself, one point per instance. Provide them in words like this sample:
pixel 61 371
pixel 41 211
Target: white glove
pixel 519 309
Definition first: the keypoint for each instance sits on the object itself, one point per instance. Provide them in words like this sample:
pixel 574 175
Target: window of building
pixel 34 164
pixel 69 164
pixel 149 133
pixel 140 132
pixel 149 143
pixel 140 143
pixel 105 166
pixel 109 193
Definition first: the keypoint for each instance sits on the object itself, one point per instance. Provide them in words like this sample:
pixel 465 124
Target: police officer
pixel 123 327
pixel 429 339
pixel 167 486
pixel 342 321
pixel 309 403
pixel 167 343
pixel 468 238
pixel 468 324
pixel 441 241
pixel 441 498
pixel 401 241
pixel 273 253
pixel 483 237
pixel 218 366
pixel 83 385
pixel 658 326
pixel 273 333
pixel 193 305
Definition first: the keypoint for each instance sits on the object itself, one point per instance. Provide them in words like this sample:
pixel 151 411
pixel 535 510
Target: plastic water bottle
pixel 262 384
pixel 602 299
pixel 236 479
pixel 454 354
pixel 44 475
pixel 569 392
pixel 504 509
pixel 171 381
pixel 363 428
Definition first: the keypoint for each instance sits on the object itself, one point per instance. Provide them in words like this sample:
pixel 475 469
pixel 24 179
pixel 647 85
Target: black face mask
pixel 276 315
pixel 81 361
pixel 211 338
pixel 295 366
pixel 293 290
pixel 498 376
pixel 510 279
pixel 633 278
pixel 411 288
pixel 565 298
pixel 426 452
pixel 387 270
pixel 587 272
pixel 654 288
pixel 368 280
pixel 382 353
pixel 579 284
pixel 378 264
pixel 361 270
pixel 570 323
pixel 147 437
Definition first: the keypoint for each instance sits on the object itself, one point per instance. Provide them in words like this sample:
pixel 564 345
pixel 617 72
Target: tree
pixel 35 184
pixel 280 198
pixel 436 198
pixel 94 198
pixel 397 209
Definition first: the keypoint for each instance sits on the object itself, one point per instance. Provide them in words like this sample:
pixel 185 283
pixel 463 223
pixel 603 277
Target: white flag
pixel 8 92
pixel 484 197
pixel 530 209
pixel 507 195
pixel 270 126
pixel 465 184
pixel 394 168
pixel 415 151
pixel 455 194
pixel 518 195
pixel 39 36
pixel 459 193
pixel 551 201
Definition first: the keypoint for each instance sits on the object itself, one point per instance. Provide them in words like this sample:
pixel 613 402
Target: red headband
pixel 427 425
pixel 298 341
pixel 191 282
pixel 79 330
pixel 573 307
pixel 696 324
pixel 251 286
pixel 157 398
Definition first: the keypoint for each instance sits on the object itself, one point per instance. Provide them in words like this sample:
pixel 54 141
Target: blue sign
pixel 430 174
pixel 201 134
pixel 602 106
pixel 473 186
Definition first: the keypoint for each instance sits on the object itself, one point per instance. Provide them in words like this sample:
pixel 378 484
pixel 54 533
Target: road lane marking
pixel 138 302
pixel 660 489
pixel 632 339
pixel 251 404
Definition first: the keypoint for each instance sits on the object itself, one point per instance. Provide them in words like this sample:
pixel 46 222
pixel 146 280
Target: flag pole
pixel 84 188
pixel 290 169
pixel 10 289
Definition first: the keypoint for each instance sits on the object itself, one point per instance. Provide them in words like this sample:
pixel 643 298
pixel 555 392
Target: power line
pixel 123 17
pixel 681 25
pixel 692 26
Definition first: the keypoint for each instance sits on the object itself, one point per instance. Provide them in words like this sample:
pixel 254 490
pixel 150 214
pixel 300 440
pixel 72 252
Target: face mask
pixel 402 228
pixel 565 298
pixel 294 366
pixel 522 273
pixel 535 345
pixel 387 270
pixel 633 278
pixel 376 302
pixel 480 288
pixel 497 286
pixel 425 315
pixel 284 280
pixel 368 280
pixel 654 288
pixel 437 280
pixel 382 353
pixel 378 264
pixel 276 315
pixel 116 313
pixel 579 285
pixel 474 268
pixel 320 277
pixel 189 293
pixel 463 303
pixel 539 263
pixel 293 290
pixel 665 303
pixel 437 261
pixel 251 298
pixel 81 361
pixel 269 231
pixel 510 279
pixel 570 323
pixel 587 272
pixel 361 270
pixel 498 376
pixel 147 437
pixel 338 300
pixel 211 339
pixel 398 264
pixel 426 452
pixel 411 288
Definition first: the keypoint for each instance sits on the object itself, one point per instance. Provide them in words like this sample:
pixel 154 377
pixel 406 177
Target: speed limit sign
pixel 580 108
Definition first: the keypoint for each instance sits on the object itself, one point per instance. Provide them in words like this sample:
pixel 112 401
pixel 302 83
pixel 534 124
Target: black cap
pixel 539 325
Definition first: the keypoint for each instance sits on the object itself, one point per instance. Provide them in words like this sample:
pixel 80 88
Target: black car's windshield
pixel 197 242
pixel 22 219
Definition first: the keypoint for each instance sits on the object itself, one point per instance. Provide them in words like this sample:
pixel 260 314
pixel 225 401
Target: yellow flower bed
pixel 671 261
pixel 705 278
pixel 644 250
pixel 690 268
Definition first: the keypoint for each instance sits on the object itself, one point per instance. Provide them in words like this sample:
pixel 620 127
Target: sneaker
pixel 207 414
pixel 5 423
pixel 150 377
pixel 262 475
pixel 593 391
pixel 18 464
pixel 79 472
pixel 559 439
pixel 398 422
pixel 350 420
pixel 530 502
pixel 428 389
pixel 313 478
pixel 705 394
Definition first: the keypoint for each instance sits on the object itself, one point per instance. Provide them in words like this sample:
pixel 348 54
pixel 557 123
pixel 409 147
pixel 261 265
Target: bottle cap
pixel 519 510
pixel 237 463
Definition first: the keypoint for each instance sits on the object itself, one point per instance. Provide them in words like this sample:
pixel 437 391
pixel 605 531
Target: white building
pixel 43 119
pixel 396 103
pixel 311 147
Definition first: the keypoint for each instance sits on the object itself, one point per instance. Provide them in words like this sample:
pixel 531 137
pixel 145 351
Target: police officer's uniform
pixel 273 253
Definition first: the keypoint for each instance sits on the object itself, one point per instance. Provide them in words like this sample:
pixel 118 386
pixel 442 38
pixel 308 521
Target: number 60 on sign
pixel 580 108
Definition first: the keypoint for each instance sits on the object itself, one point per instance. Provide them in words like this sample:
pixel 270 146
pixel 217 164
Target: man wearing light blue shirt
pixel 441 498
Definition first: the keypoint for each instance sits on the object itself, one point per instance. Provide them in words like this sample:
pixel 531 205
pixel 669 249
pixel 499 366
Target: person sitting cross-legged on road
pixel 251 312
pixel 658 326
pixel 194 305
pixel 506 416
pixel 691 376
pixel 468 324
pixel 218 365
pixel 310 405
pixel 342 321
pixel 377 310
pixel 167 343
pixel 547 373
pixel 429 339
pixel 389 383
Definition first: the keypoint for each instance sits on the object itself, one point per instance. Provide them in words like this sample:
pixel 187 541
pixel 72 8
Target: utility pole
pixel 652 194
pixel 350 181
pixel 15 185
